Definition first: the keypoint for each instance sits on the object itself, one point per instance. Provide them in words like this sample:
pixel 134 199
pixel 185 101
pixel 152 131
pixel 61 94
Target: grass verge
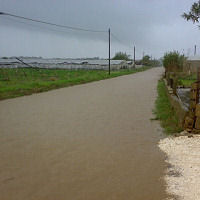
pixel 26 81
pixel 164 111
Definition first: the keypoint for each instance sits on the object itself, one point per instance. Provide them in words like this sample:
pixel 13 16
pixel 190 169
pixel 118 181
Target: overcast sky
pixel 154 26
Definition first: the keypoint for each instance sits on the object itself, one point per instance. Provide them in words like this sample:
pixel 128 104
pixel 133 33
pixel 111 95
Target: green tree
pixel 146 60
pixel 194 13
pixel 121 56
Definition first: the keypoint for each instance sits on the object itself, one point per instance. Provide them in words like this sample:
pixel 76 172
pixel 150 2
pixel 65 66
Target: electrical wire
pixel 120 41
pixel 61 26
pixel 53 24
pixel 38 26
pixel 64 26
pixel 35 25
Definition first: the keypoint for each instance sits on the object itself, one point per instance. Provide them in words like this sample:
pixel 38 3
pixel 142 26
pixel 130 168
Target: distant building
pixel 72 64
pixel 192 64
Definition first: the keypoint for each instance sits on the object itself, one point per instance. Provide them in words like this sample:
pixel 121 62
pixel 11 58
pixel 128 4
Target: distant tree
pixel 194 13
pixel 121 56
pixel 146 60
pixel 156 63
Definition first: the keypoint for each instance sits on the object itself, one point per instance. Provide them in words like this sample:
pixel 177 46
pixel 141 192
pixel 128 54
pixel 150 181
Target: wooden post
pixel 197 107
pixel 195 50
pixel 109 49
pixel 134 56
pixel 198 84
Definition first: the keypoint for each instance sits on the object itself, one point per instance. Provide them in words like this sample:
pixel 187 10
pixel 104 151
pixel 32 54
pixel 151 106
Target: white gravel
pixel 183 173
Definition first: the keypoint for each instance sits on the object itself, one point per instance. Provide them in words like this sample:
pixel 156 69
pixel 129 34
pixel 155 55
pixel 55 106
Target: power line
pixel 120 41
pixel 49 29
pixel 36 25
pixel 116 38
pixel 53 24
pixel 69 27
pixel 64 26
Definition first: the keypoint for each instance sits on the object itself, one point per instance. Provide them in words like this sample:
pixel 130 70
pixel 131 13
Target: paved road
pixel 87 142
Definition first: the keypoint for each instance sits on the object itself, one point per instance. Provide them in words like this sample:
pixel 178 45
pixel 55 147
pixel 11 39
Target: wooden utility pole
pixel 109 49
pixel 134 57
pixel 195 50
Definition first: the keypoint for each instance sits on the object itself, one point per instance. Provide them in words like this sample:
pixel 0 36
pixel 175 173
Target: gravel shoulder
pixel 183 173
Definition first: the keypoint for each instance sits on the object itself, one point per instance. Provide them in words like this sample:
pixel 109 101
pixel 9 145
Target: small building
pixel 191 65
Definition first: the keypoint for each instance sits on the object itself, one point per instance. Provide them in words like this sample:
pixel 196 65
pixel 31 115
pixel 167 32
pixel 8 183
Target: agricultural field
pixel 16 82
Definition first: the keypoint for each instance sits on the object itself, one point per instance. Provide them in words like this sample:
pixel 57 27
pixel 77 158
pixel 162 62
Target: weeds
pixel 164 111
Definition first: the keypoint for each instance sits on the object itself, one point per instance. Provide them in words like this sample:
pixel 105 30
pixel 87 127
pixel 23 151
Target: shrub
pixel 173 61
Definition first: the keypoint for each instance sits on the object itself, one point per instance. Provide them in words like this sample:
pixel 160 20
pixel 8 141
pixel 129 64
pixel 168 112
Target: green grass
pixel 187 81
pixel 164 111
pixel 26 81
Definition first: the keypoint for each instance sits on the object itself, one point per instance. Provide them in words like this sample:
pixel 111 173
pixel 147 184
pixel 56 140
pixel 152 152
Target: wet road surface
pixel 88 142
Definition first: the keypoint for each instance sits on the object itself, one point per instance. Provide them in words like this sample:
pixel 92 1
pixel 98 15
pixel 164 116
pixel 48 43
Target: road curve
pixel 87 142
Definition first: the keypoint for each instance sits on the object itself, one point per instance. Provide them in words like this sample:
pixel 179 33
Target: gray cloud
pixel 154 26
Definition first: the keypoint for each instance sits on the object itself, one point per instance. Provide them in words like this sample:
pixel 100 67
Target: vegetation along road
pixel 16 82
pixel 87 142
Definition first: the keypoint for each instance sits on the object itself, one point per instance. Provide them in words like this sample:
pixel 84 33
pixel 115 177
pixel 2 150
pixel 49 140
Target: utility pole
pixel 134 57
pixel 109 50
pixel 183 52
pixel 195 49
